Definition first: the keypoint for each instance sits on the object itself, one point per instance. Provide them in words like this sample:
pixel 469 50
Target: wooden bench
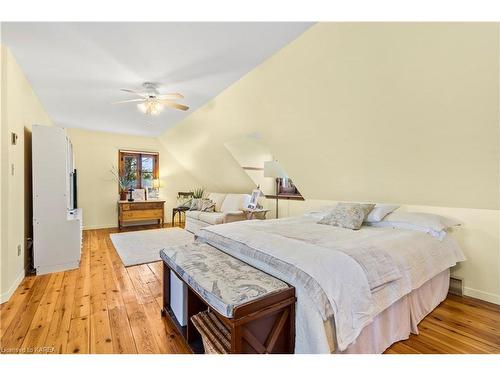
pixel 257 309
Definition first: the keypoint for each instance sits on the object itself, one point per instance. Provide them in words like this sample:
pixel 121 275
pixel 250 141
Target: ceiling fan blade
pixel 168 103
pixel 129 101
pixel 135 92
pixel 174 95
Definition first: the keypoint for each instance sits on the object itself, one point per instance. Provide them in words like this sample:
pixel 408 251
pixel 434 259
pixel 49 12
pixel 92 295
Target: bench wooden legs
pixel 274 333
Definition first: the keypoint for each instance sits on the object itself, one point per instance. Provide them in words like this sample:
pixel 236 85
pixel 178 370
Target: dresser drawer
pixel 142 214
pixel 146 206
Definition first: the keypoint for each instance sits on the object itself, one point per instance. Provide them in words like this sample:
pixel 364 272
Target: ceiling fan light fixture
pixel 150 107
pixel 156 108
pixel 142 107
pixel 151 102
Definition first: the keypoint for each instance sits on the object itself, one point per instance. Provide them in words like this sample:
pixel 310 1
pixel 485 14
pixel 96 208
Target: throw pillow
pixel 195 204
pixel 347 215
pixel 207 206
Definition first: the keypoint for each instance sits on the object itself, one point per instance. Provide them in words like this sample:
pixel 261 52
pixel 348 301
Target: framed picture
pixel 253 200
pixel 139 194
pixel 151 193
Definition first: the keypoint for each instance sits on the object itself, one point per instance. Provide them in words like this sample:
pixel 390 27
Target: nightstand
pixel 252 214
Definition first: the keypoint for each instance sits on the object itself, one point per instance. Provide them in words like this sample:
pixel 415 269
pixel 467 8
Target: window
pixel 139 168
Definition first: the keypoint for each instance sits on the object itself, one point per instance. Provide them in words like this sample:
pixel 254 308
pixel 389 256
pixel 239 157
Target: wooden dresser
pixel 141 210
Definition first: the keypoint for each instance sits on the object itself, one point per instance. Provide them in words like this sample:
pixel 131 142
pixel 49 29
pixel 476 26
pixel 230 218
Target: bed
pixel 357 291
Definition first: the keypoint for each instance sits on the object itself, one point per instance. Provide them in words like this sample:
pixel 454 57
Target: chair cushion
pixel 217 198
pixel 234 202
pixel 223 281
pixel 193 214
pixel 211 217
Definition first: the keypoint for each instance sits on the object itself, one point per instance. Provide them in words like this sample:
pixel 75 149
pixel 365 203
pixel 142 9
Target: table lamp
pixel 273 169
pixel 156 187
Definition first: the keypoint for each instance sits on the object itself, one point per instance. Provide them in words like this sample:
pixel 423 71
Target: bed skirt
pixel 401 318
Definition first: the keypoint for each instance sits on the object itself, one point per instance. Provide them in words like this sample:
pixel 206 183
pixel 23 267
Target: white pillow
pixel 424 220
pixel 388 224
pixel 380 211
pixel 435 225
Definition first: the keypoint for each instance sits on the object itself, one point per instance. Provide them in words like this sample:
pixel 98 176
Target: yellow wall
pixel 407 110
pixel 250 151
pixel 20 109
pixel 96 152
pixel 386 112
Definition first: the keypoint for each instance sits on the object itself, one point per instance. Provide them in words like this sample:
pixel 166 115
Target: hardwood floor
pixel 459 325
pixel 103 307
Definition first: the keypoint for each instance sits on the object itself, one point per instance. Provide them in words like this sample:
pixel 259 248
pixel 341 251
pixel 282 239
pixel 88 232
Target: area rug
pixel 144 246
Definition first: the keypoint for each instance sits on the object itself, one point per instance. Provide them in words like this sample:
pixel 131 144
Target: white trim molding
pixel 482 295
pixel 4 297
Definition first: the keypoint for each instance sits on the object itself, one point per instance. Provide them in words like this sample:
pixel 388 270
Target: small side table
pixel 179 210
pixel 255 214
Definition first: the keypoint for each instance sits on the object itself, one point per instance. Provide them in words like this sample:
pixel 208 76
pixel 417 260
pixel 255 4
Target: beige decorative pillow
pixel 347 215
pixel 207 206
pixel 195 204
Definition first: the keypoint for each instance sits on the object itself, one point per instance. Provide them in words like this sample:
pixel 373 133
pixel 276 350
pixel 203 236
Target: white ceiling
pixel 77 69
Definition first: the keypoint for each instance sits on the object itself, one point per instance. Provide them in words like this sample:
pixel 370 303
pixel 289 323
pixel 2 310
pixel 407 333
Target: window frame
pixel 138 155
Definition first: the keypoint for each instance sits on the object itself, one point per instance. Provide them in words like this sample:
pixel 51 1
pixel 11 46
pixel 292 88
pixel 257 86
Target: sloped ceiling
pixel 77 69
pixel 385 112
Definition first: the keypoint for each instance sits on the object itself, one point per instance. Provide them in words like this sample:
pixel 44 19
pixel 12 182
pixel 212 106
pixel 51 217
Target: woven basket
pixel 214 334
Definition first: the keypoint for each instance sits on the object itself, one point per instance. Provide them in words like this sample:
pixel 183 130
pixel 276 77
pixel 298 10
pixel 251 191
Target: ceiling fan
pixel 150 100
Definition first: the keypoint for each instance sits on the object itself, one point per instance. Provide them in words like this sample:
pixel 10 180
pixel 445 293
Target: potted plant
pixel 198 193
pixel 123 182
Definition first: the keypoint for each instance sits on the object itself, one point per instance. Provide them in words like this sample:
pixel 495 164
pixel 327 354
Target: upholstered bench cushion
pixel 224 282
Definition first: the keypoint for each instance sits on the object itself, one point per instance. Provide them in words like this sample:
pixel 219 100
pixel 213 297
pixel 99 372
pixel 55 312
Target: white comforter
pixel 332 280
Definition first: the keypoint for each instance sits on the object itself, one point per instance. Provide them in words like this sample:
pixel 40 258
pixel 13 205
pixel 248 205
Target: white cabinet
pixel 57 226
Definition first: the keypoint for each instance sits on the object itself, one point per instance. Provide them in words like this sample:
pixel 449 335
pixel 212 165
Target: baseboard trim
pixel 482 295
pixel 4 297
pixel 115 225
pixel 92 227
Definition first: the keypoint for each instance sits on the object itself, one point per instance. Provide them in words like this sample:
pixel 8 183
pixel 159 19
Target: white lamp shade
pixel 273 169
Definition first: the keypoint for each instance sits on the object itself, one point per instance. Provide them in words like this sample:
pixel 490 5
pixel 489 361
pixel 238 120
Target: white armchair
pixel 228 208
